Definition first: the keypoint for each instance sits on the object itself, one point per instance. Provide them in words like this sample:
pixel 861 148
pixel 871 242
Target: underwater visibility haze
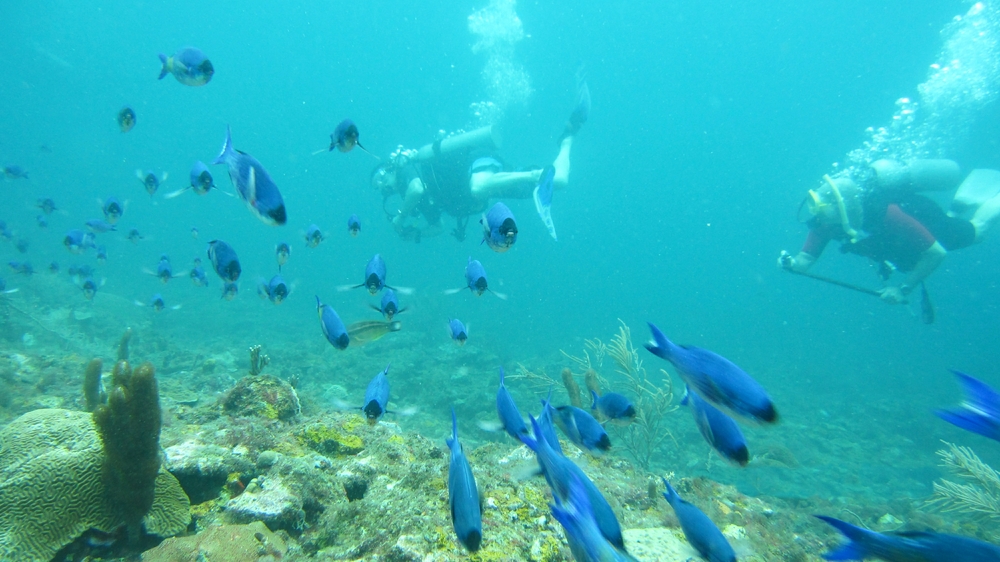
pixel 221 223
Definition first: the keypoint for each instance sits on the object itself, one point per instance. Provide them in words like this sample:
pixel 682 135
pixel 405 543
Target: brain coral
pixel 52 491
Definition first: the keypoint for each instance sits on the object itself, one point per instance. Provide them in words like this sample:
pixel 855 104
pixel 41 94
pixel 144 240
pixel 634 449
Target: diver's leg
pixel 492 185
pixel 985 216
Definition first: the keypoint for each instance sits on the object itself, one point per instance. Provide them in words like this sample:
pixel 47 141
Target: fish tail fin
pixel 969 421
pixel 671 494
pixel 227 148
pixel 593 395
pixel 319 304
pixel 501 367
pixel 660 346
pixel 979 395
pixel 855 549
pixel 166 66
pixel 686 398
pixel 533 443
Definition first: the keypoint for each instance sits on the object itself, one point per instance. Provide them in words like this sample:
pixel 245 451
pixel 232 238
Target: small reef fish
pixel 459 333
pixel 463 495
pixel 112 209
pixel 499 228
pixel 126 119
pixel 585 540
pixel 375 278
pixel 911 546
pixel 377 397
pixel 475 280
pixel 281 253
pixel 98 226
pixel 194 232
pixel 54 267
pixel 253 184
pixel 313 236
pixel 189 66
pixel 510 416
pixel 370 330
pixel 276 290
pixel 718 429
pixel 224 261
pixel 164 271
pixel 46 205
pixel 89 287
pixel 345 137
pixel 229 290
pixel 543 199
pixel 198 275
pixel 199 180
pixel 157 303
pixel 559 472
pixel 134 236
pixel 21 244
pixel 354 225
pixel 699 530
pixel 715 378
pixel 613 406
pixel 582 429
pixel 80 271
pixel 76 241
pixel 15 173
pixel 102 254
pixel 333 326
pixel 150 181
pixel 41 221
pixel 22 267
pixel 4 232
pixel 979 412
pixel 547 424
pixel 389 306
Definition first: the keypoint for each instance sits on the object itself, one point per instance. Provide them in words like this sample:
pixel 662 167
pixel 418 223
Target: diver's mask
pixel 835 202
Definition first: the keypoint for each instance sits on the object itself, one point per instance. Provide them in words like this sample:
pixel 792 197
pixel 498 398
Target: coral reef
pixel 93 390
pixel 258 360
pixel 52 489
pixel 262 396
pixel 123 345
pixel 203 468
pixel 226 543
pixel 129 425
pixel 980 497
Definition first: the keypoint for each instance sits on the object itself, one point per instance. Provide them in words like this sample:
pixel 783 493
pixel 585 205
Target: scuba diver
pixel 459 174
pixel 903 230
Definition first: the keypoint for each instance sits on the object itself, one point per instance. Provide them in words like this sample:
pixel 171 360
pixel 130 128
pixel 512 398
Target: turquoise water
pixel 709 122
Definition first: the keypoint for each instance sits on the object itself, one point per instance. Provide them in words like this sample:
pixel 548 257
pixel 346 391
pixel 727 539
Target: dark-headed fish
pixel 197 274
pixel 276 289
pixel 313 236
pixel 14 172
pixel 499 228
pixel 582 429
pixel 699 530
pixel 150 181
pixel 126 119
pixel 910 546
pixel 613 406
pixel 718 429
pixel 46 205
pixel 377 397
pixel 475 280
pixel 224 261
pixel 333 327
pixel 113 209
pixel 134 236
pixel 281 253
pixel 253 184
pixel 389 306
pixel 345 137
pixel 463 496
pixel 459 333
pixel 510 416
pixel 76 241
pixel 715 378
pixel 354 225
pixel 189 66
pixel 201 179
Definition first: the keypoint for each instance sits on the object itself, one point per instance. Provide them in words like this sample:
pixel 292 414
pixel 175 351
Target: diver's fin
pixel 543 199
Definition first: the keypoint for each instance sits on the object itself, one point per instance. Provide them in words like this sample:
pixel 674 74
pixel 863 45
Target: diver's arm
pixel 930 259
pixel 414 193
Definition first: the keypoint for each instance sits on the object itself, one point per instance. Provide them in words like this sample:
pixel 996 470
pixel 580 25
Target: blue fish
pixel 78 271
pixel 377 397
pixel 576 516
pixel 194 232
pixel 718 429
pixel 276 289
pixel 198 275
pixel 189 66
pixel 463 496
pixel 98 226
pixel 389 306
pixel 201 179
pixel 345 137
pixel 499 228
pixel 89 287
pixel 715 378
pixel 374 275
pixel 126 119
pixel 613 406
pixel 150 181
pixel 134 236
pixel 354 225
pixel 229 290
pixel 543 199
pixel 13 172
pixel 559 473
pixel 314 236
pixel 699 530
pixel 281 253
pixel 459 332
pixel 253 184
pixel 909 546
pixel 22 267
pixel 21 244
pixel 42 221
pixel 546 422
pixel 76 241
pixel 113 209
pixel 102 254
pixel 475 280
pixel 333 327
pixel 157 303
pixel 582 429
pixel 224 260
pixel 980 412
pixel 164 271
pixel 46 205
pixel 507 410
pixel 54 267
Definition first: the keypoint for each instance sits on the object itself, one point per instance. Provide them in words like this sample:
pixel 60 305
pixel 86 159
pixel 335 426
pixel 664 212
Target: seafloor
pixel 272 479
